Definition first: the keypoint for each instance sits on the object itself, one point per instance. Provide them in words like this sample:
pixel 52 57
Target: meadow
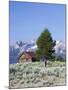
pixel 35 74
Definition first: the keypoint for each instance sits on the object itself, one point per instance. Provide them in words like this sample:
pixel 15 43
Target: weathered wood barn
pixel 26 57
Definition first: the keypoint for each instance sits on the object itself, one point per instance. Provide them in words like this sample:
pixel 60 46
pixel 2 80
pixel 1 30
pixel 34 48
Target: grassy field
pixel 35 74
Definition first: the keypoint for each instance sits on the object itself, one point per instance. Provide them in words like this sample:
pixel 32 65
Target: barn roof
pixel 30 54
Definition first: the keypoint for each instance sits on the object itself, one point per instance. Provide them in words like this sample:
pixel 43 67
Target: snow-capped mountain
pixel 13 53
pixel 19 47
pixel 60 49
pixel 29 46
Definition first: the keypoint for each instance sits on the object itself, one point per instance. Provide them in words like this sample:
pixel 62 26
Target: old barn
pixel 26 57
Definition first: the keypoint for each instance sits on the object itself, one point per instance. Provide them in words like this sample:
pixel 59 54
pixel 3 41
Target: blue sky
pixel 28 20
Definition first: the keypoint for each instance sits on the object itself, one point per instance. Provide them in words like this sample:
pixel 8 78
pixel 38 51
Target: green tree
pixel 45 45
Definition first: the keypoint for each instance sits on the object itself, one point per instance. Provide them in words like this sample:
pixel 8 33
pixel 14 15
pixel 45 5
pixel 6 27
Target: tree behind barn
pixel 45 45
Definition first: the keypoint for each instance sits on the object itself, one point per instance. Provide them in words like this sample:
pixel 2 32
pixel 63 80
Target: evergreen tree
pixel 45 45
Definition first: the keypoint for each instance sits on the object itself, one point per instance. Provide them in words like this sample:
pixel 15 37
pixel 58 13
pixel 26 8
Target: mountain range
pixel 19 47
